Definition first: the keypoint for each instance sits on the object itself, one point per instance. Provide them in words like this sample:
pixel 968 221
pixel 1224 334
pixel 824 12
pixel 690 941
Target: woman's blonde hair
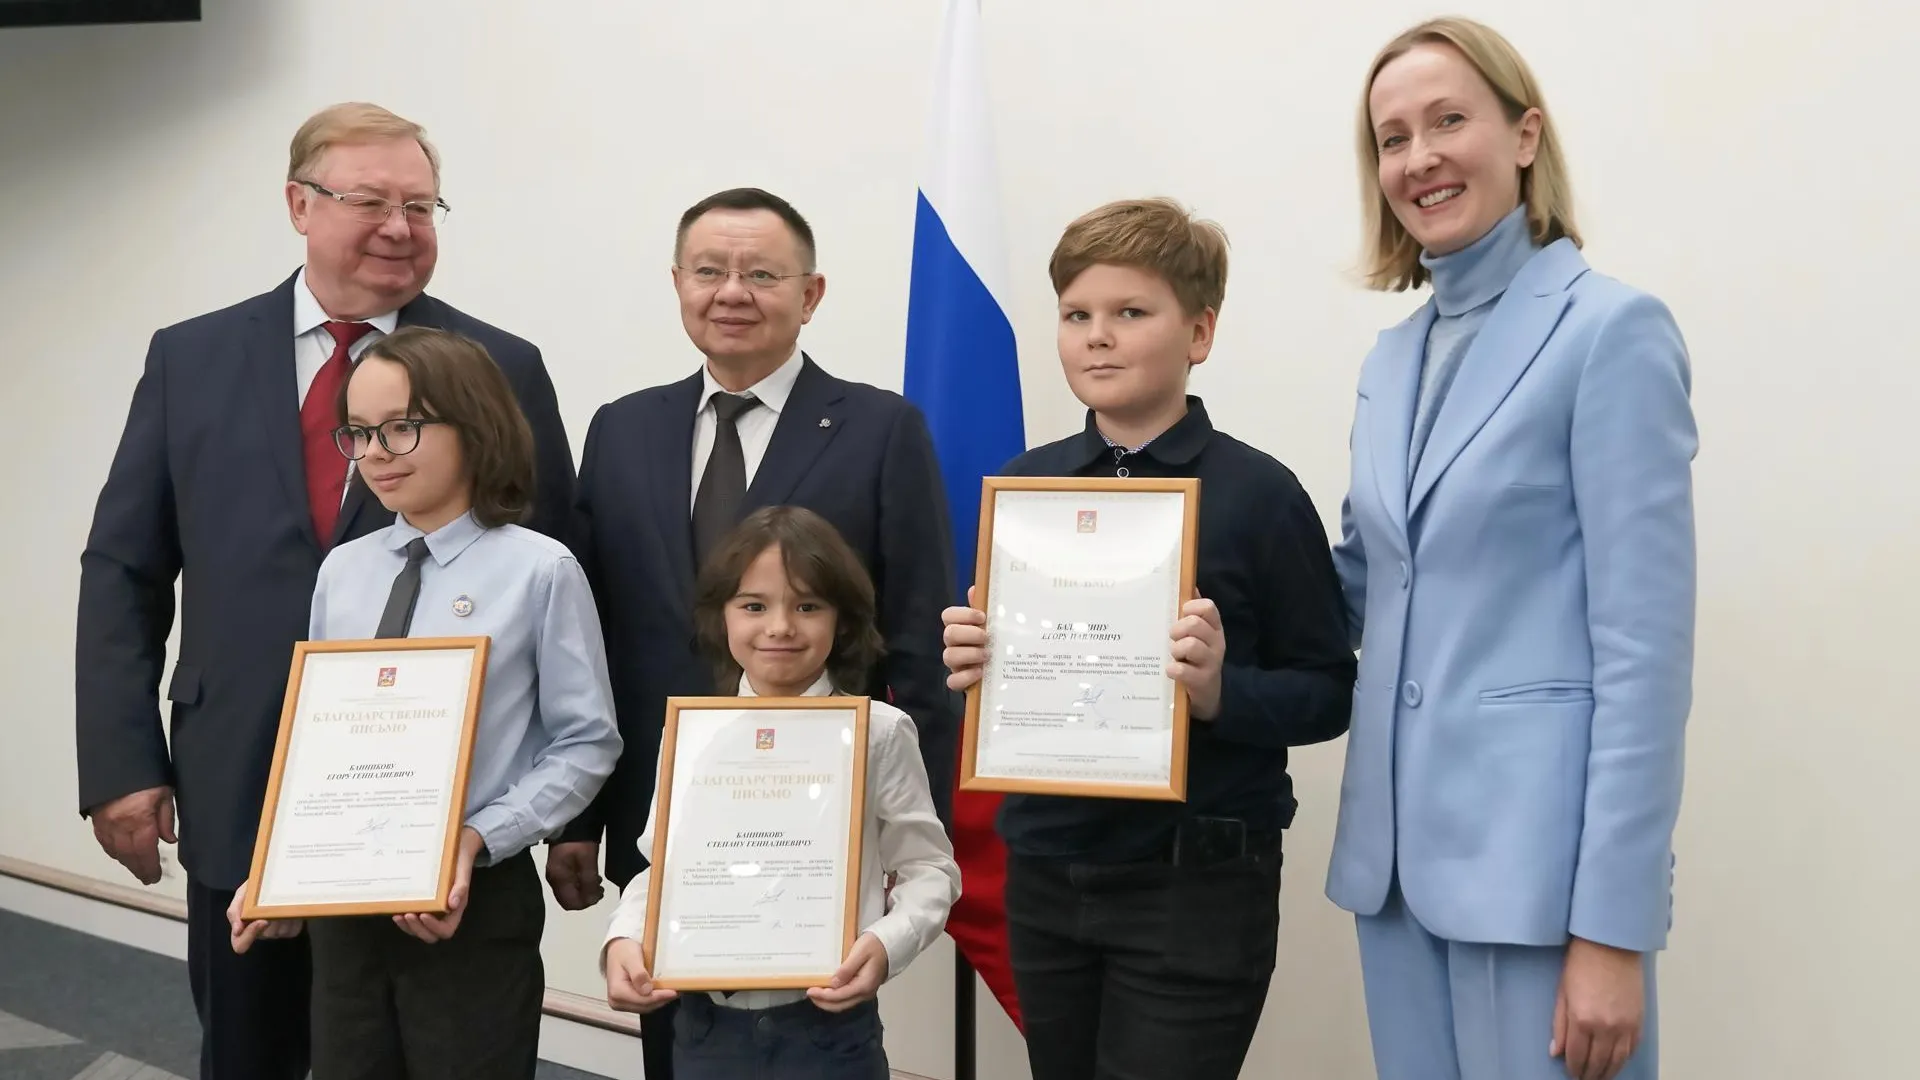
pixel 1392 256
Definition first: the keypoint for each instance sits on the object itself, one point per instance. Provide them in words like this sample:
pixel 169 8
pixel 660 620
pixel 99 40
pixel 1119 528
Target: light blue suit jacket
pixel 1524 609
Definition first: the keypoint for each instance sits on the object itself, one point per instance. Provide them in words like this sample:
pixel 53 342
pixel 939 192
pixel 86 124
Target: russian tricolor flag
pixel 964 373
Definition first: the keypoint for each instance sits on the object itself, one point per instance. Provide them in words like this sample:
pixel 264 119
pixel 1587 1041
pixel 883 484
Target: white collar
pixel 308 315
pixel 822 687
pixel 773 391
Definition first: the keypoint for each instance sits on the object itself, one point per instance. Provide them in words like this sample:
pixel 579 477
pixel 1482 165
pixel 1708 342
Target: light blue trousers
pixel 1446 1010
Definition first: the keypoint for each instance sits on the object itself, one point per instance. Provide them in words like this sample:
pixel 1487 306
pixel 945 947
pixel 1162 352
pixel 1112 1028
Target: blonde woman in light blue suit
pixel 1517 553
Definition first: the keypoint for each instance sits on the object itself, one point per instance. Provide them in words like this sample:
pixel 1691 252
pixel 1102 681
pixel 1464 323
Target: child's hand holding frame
pixel 858 979
pixel 629 986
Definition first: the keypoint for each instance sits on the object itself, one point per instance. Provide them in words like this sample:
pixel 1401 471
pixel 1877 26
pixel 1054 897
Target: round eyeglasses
pixel 399 436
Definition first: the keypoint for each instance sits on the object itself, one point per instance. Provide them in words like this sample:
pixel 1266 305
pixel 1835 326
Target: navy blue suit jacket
pixel 857 455
pixel 208 486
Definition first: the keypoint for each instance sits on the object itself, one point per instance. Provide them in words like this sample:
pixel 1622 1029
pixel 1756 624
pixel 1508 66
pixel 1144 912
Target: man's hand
pixel 433 928
pixel 629 987
pixel 573 872
pixel 858 979
pixel 965 638
pixel 1199 646
pixel 131 827
pixel 242 934
pixel 1599 1015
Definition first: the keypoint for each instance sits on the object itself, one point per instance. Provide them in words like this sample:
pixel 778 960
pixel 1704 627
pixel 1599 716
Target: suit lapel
pixel 1391 387
pixel 269 366
pixel 1520 324
pixel 809 422
pixel 351 504
pixel 670 483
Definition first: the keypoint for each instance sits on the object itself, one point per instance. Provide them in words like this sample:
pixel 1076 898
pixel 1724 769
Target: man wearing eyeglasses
pixel 668 471
pixel 228 473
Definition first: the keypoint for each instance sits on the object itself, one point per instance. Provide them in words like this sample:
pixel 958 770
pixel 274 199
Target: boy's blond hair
pixel 1157 235
pixel 352 122
pixel 1391 253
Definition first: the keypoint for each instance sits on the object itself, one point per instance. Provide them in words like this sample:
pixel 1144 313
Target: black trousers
pixel 388 1006
pixel 656 1041
pixel 252 1006
pixel 1142 970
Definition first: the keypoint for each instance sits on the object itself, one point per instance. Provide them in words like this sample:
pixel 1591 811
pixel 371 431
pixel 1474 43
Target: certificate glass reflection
pixel 756 845
pixel 369 779
pixel 1083 585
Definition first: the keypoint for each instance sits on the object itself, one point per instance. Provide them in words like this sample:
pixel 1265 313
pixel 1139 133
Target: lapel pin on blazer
pixel 463 605
pixel 824 422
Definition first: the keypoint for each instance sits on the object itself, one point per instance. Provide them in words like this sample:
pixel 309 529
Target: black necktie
pixel 724 484
pixel 406 589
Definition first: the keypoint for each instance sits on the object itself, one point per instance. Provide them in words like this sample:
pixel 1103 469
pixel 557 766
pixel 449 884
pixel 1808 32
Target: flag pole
pixel 964 1046
pixel 962 371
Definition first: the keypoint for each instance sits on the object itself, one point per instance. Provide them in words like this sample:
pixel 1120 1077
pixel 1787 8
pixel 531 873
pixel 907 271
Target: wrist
pixel 1602 953
pixel 1205 698
pixel 1206 702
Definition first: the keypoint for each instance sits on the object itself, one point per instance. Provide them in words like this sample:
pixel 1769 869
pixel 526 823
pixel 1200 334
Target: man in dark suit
pixel 667 471
pixel 227 474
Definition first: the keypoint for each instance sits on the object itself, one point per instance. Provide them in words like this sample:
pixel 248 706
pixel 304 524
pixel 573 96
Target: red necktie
pixel 326 469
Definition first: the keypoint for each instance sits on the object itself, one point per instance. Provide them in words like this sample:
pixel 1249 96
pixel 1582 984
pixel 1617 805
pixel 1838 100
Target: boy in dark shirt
pixel 1142 932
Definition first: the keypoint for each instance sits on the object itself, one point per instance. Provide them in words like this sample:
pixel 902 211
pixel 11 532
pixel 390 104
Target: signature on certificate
pixel 772 895
pixel 1089 700
pixel 375 824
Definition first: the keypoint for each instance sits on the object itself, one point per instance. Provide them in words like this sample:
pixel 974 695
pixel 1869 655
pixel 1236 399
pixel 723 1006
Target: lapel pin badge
pixel 463 606
pixel 824 422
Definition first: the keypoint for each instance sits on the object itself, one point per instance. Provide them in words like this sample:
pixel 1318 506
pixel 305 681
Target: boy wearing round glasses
pixel 433 429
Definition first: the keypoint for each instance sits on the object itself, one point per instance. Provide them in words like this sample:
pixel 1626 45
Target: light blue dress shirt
pixel 1466 286
pixel 546 739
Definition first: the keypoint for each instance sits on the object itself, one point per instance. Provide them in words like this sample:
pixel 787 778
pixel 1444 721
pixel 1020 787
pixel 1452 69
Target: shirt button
pixel 1410 693
pixel 1406 575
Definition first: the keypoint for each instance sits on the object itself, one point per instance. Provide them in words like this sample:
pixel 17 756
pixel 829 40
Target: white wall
pixel 1750 162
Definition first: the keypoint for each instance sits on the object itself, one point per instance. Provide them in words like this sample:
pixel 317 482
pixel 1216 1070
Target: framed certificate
pixel 1082 579
pixel 755 868
pixel 365 801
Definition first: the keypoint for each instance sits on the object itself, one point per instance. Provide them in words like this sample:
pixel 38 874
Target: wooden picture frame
pixel 772 976
pixel 298 713
pixel 988 589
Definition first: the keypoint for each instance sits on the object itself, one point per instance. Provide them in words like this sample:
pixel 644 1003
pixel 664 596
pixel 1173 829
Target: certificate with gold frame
pixel 368 788
pixel 754 877
pixel 1082 579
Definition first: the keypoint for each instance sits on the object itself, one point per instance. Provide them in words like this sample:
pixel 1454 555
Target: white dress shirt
pixel 755 425
pixel 900 836
pixel 311 342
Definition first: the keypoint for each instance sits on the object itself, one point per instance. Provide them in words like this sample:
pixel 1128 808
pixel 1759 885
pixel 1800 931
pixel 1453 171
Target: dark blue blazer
pixel 857 455
pixel 208 486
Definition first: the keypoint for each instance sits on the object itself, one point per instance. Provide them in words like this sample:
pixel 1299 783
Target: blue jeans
pixel 787 1042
